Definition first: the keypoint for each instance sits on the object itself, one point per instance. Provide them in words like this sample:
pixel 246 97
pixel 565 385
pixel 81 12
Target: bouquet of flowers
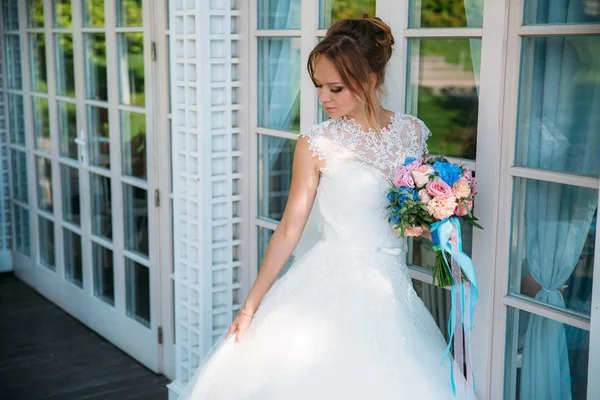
pixel 431 192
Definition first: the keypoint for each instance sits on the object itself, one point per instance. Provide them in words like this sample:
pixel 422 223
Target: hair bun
pixel 381 30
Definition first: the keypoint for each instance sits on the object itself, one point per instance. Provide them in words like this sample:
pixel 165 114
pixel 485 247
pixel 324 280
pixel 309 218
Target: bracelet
pixel 247 315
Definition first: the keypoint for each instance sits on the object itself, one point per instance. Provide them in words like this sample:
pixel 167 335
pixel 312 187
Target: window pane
pixel 559 99
pixel 62 13
pixel 138 291
pixel 46 237
pixel 437 301
pixel 93 13
pixel 22 241
pixel 561 12
pixel 35 13
pixel 98 137
pixel 39 82
pixel 67 126
pixel 19 176
pixel 104 286
pixel 276 14
pixel 41 124
pixel 100 192
pixel 554 230
pixel 96 87
pixel 443 76
pixel 15 119
pixel 133 127
pixel 73 264
pixel 70 194
pixel 445 14
pixel 545 359
pixel 264 235
pixel 131 71
pixel 275 156
pixel 65 74
pixel 334 10
pixel 13 62
pixel 10 11
pixel 129 13
pixel 44 184
pixel 135 215
pixel 279 83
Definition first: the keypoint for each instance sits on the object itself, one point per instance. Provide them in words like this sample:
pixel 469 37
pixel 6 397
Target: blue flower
pixel 405 194
pixel 449 173
pixel 409 160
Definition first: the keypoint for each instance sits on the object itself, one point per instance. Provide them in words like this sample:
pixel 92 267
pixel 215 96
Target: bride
pixel 344 322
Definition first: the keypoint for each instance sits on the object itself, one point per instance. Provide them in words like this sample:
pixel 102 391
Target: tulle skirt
pixel 341 324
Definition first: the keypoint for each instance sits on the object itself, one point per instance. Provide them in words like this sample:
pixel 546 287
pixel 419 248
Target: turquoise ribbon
pixel 441 232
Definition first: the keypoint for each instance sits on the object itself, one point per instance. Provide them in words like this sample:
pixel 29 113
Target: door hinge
pixel 160 335
pixel 156 198
pixel 153 51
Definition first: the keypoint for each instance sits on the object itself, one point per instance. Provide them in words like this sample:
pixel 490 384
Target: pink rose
pixel 421 175
pixel 403 177
pixel 439 188
pixel 424 196
pixel 461 188
pixel 413 231
pixel 442 207
pixel 461 210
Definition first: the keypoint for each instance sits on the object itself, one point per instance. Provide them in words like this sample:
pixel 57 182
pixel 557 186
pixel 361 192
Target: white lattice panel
pixel 205 174
pixel 5 231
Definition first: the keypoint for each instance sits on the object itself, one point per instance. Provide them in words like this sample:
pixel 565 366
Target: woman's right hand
pixel 239 325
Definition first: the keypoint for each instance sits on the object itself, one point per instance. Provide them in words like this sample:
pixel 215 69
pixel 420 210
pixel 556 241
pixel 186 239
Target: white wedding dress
pixel 344 322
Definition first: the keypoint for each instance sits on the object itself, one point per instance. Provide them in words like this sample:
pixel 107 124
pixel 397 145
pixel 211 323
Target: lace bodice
pixel 359 167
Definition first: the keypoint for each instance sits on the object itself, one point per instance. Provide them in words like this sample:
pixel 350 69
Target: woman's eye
pixel 336 90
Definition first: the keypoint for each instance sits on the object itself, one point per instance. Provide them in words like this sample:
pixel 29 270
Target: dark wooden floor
pixel 47 354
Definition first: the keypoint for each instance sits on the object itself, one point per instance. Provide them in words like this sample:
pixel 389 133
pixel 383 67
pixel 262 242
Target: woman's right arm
pixel 305 179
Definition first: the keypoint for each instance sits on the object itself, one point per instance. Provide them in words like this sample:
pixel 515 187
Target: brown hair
pixel 357 48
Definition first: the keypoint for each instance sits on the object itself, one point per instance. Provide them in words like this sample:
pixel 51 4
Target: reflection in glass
pixel 10 12
pixel 133 127
pixel 135 216
pixel 35 13
pixel 129 13
pixel 275 14
pixel 98 136
pixel 138 291
pixel 279 83
pixel 19 176
pixel 41 124
pixel 545 359
pixel 46 238
pixel 22 240
pixel 559 99
pixel 131 71
pixel 334 10
pixel 445 14
pixel 96 87
pixel 554 230
pixel 275 156
pixel 561 12
pixel 39 80
pixel 16 119
pixel 93 13
pixel 100 192
pixel 73 263
pixel 437 301
pixel 67 126
pixel 104 280
pixel 65 74
pixel 70 194
pixel 44 183
pixel 13 62
pixel 62 13
pixel 443 83
pixel 264 235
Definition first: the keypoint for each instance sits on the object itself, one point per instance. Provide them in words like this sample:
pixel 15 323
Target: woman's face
pixel 337 99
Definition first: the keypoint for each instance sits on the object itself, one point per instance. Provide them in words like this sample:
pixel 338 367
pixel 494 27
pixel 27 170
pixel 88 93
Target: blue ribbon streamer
pixel 441 232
